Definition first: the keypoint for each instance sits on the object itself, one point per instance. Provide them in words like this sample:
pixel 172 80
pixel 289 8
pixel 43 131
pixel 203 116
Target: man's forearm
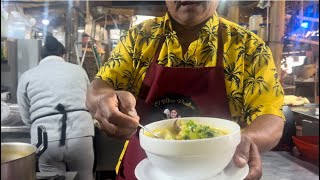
pixel 265 131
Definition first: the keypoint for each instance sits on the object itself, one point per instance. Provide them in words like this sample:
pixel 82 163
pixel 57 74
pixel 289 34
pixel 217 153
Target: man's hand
pixel 115 110
pixel 256 139
pixel 247 152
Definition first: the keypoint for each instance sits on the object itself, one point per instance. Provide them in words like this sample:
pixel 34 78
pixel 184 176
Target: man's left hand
pixel 247 152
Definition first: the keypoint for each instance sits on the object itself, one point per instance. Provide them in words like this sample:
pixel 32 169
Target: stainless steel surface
pixel 149 131
pixel 283 166
pixel 15 129
pixel 15 134
pixel 310 128
pixel 17 161
pixel 9 72
pixel 28 55
pixel 308 110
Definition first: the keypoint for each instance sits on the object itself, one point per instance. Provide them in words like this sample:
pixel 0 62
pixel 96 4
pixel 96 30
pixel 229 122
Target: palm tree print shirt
pixel 251 79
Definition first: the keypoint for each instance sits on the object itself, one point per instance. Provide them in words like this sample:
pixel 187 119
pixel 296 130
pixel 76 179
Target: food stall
pixel 90 31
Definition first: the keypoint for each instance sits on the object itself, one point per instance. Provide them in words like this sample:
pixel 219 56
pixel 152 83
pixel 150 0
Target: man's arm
pixel 23 101
pixel 265 131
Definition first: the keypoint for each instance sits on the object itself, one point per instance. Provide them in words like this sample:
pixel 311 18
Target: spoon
pixel 149 131
pixel 177 125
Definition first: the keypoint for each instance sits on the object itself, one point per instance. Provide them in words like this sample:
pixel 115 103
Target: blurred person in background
pixel 53 95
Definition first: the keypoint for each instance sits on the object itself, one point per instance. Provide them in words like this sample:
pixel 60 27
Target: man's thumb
pixel 241 156
pixel 240 161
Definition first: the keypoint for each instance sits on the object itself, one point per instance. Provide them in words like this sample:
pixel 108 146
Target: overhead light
pixel 40 34
pixel 81 30
pixel 45 22
pixel 305 25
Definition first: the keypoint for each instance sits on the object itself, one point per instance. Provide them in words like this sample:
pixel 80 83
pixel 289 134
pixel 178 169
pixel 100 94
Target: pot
pixel 18 160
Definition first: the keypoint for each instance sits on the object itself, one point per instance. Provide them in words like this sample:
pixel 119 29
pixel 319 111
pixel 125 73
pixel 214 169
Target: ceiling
pixel 122 11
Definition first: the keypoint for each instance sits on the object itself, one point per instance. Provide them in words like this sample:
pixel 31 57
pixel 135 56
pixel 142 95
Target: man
pixel 217 69
pixel 53 95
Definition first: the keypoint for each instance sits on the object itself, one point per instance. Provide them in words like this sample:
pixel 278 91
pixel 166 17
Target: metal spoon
pixel 149 131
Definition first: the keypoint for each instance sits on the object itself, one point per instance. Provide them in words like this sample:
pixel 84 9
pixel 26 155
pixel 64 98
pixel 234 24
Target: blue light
pixel 305 25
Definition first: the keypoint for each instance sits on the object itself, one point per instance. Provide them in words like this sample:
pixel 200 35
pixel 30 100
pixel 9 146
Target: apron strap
pixel 62 110
pixel 220 47
pixel 156 56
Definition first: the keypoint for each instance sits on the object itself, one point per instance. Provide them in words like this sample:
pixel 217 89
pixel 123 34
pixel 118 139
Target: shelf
pixel 304 41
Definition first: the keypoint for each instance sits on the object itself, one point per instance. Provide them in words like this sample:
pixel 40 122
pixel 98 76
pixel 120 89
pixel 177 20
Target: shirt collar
pixel 207 28
pixel 51 58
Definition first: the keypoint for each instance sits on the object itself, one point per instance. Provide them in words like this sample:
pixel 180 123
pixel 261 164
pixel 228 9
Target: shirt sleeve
pixel 118 71
pixel 263 93
pixel 23 100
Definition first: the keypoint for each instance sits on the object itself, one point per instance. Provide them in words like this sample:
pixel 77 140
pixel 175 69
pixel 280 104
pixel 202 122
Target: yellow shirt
pixel 251 79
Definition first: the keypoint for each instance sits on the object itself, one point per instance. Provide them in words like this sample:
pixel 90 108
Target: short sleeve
pixel 263 93
pixel 118 70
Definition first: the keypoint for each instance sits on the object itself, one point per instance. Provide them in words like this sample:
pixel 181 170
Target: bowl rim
pixel 190 140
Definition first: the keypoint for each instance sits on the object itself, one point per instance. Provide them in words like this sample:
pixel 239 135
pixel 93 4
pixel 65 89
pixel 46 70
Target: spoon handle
pixel 149 131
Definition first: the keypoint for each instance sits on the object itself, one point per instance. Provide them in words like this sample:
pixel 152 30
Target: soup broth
pixel 188 130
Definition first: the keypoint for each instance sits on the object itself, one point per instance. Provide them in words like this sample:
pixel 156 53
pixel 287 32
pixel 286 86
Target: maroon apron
pixel 205 86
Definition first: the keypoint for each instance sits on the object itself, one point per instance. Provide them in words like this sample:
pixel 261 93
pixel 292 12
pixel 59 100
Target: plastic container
pixel 262 31
pixel 254 21
pixel 308 146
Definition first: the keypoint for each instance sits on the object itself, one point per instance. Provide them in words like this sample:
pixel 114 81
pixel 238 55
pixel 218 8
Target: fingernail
pixel 133 113
pixel 242 160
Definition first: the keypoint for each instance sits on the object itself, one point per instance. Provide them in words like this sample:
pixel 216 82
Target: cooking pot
pixel 18 160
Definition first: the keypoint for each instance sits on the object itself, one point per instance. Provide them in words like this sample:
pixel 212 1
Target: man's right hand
pixel 115 110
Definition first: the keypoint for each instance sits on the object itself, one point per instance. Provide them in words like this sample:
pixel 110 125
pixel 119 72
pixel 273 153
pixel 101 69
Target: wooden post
pixel 277 27
pixel 68 30
pixel 75 27
pixel 233 12
pixel 71 31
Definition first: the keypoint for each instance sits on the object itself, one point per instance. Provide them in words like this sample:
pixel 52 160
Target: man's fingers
pixel 110 111
pixel 242 154
pixel 117 116
pixel 115 131
pixel 255 164
pixel 122 120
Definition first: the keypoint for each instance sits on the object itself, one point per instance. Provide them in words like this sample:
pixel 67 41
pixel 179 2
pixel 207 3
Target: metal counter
pixel 15 129
pixel 283 166
pixel 15 134
pixel 307 111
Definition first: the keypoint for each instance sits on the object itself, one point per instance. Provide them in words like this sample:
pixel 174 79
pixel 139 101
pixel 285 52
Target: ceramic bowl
pixel 192 159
